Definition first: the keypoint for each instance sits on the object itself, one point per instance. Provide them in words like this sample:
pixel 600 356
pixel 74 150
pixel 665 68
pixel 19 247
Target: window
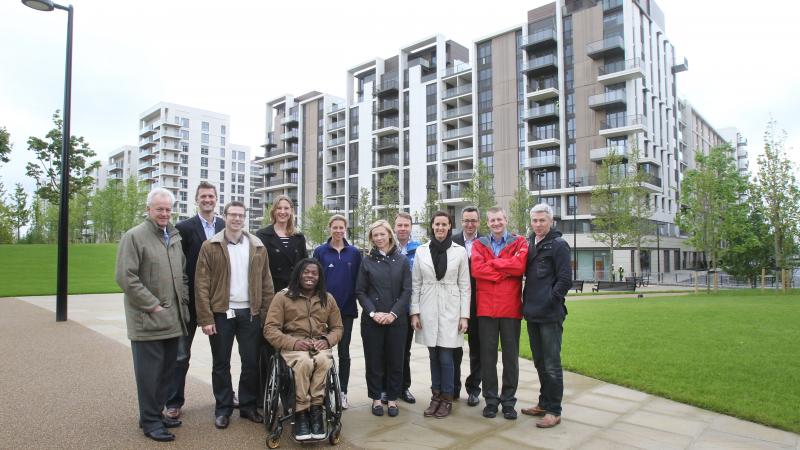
pixel 241 156
pixel 183 196
pixel 430 141
pixel 241 167
pixel 184 171
pixel 222 164
pixel 221 185
pixel 204 150
pixel 185 147
pixel 185 135
pixel 241 189
pixel 184 159
pixel 221 200
pixel 223 130
pixel 203 162
pixel 241 178
pixel 222 176
pixel 184 184
pixel 204 127
pixel 222 140
pixel 203 174
pixel 185 122
pixel 222 153
pixel 204 138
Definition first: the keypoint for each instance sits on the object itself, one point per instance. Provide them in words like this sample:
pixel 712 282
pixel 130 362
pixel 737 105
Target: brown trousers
pixel 309 375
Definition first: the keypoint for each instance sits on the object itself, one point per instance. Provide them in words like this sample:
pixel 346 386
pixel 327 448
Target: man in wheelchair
pixel 303 323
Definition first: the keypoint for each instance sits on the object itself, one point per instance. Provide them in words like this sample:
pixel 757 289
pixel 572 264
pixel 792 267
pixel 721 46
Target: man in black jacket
pixel 548 277
pixel 194 231
pixel 470 223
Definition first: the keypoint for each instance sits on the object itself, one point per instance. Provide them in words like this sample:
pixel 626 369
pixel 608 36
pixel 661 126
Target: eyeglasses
pixel 470 221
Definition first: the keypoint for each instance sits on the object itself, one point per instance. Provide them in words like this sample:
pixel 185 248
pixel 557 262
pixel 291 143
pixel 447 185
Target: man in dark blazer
pixel 194 231
pixel 470 223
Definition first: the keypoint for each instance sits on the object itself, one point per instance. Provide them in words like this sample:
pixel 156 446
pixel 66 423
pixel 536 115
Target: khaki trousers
pixel 309 375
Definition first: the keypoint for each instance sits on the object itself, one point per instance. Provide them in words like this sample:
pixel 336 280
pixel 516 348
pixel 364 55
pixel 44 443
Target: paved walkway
pixel 597 415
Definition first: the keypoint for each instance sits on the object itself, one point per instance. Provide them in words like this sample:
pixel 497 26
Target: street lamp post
pixel 658 251
pixel 539 173
pixel 575 185
pixel 63 213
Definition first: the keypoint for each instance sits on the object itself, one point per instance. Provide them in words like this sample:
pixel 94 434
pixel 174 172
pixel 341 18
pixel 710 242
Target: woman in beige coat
pixel 440 296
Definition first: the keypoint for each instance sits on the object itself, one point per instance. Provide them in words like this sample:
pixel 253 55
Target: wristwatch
pixel 372 314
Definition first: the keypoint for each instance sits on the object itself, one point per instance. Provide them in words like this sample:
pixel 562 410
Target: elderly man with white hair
pixel 548 277
pixel 150 271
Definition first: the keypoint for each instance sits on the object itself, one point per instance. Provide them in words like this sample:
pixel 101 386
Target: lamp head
pixel 39 5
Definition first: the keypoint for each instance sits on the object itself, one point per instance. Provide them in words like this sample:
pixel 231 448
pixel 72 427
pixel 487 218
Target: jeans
pixel 545 341
pixel 343 349
pixel 247 331
pixel 441 369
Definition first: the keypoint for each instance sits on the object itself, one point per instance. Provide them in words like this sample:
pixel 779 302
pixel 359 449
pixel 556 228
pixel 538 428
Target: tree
pixel 46 171
pixel 6 221
pixel 389 195
pixel 778 195
pixel 20 214
pixel 520 207
pixel 5 145
pixel 363 216
pixel 638 196
pixel 135 203
pixel 749 244
pixel 107 210
pixel 479 192
pixel 432 204
pixel 709 196
pixel 79 217
pixel 315 223
pixel 610 205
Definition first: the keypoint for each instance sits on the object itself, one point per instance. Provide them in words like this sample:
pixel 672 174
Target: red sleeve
pixel 514 265
pixel 482 264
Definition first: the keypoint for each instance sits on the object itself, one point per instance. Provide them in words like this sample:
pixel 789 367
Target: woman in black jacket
pixel 383 289
pixel 285 244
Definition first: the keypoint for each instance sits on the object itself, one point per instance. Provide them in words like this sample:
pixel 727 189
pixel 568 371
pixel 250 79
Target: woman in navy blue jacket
pixel 340 262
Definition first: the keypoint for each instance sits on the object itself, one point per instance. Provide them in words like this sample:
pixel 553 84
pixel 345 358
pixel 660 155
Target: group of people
pixel 264 291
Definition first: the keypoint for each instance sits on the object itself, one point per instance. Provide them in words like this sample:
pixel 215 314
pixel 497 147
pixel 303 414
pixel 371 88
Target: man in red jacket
pixel 498 263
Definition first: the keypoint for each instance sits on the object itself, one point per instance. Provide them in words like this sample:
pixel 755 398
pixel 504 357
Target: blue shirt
pixel 497 246
pixel 208 227
pixel 341 271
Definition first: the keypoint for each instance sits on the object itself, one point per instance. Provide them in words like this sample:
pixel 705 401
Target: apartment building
pixel 739 145
pixel 179 146
pixel 121 164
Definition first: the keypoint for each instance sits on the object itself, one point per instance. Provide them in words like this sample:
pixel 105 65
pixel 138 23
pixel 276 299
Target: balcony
pixel 290 119
pixel 336 191
pixel 457 69
pixel 460 175
pixel 277 154
pixel 621 126
pixel 291 165
pixel 457 133
pixel 654 181
pixel 383 144
pixel 546 186
pixel 337 141
pixel 336 158
pixel 539 39
pixel 336 125
pixel 387 126
pixel 145 154
pixel 541 113
pixel 456 112
pixel 620 71
pixel 290 135
pixel 387 87
pixel 116 167
pixel 607 100
pixel 335 108
pixel 270 142
pixel 281 182
pixel 612 45
pixel 387 106
pixel 454 193
pixel 463 153
pixel 387 162
pixel 542 64
pixel 599 154
pixel 334 205
pixel 539 90
pixel 148 130
pixel 144 143
pixel 609 5
pixel 549 137
pixel 543 161
pixel 457 91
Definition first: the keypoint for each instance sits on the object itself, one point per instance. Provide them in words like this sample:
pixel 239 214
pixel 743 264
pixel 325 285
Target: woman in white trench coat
pixel 440 297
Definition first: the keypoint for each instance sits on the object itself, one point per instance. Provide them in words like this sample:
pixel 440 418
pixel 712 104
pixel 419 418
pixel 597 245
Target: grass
pixel 737 353
pixel 31 269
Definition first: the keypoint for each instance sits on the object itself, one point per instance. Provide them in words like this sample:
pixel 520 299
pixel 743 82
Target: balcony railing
pixel 336 158
pixel 596 154
pixel 606 99
pixel 337 141
pixel 456 91
pixel 450 71
pixel 538 37
pixel 387 143
pixel 290 118
pixel 458 132
pixel 389 160
pixel 387 86
pixel 541 111
pixel 336 205
pixel 270 142
pixel 619 66
pixel 538 85
pixel 539 63
pixel 540 135
pixel 336 125
pixel 609 45
pixel 535 186
pixel 335 108
pixel 453 194
pixel 289 135
pixel 457 154
pixel 455 112
pixel 387 123
pixel 608 5
pixel 291 165
pixel 458 175
pixel 543 161
pixel 388 105
pixel 623 121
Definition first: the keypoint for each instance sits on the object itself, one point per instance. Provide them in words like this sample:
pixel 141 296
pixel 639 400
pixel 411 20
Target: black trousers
pixel 383 356
pixel 247 331
pixel 175 396
pixel 153 367
pixel 343 349
pixel 508 331
pixel 473 382
pixel 406 359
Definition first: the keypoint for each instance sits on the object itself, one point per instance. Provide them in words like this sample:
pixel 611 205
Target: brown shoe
pixel 435 402
pixel 548 421
pixel 173 413
pixel 444 407
pixel 534 411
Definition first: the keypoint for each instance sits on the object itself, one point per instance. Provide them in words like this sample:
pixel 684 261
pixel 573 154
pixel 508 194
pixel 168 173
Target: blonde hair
pixel 290 226
pixel 384 224
pixel 336 217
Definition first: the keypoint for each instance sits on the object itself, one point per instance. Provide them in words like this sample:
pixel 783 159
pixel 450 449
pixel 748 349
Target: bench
pixel 639 281
pixel 577 285
pixel 614 286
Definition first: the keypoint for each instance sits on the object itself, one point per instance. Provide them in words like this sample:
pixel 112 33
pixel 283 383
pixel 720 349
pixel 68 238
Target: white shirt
pixel 239 254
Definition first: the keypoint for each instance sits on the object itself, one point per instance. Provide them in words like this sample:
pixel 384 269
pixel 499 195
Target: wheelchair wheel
pixel 333 397
pixel 336 435
pixel 272 405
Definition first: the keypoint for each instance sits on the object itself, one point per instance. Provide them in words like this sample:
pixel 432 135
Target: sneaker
pixel 343 399
pixel 317 424
pixel 301 428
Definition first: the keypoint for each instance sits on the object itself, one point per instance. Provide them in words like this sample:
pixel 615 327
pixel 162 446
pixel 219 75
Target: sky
pixel 232 57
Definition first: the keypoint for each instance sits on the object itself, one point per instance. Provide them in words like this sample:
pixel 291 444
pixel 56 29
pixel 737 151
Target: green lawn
pixel 31 269
pixel 736 352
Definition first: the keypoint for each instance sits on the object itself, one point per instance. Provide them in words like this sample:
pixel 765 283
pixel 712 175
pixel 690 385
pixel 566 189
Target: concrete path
pixel 597 415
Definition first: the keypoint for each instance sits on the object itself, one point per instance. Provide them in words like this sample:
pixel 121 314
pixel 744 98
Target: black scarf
pixel 439 255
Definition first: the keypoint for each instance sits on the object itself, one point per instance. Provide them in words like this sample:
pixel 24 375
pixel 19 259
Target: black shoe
pixel 222 422
pixel 407 397
pixel 160 435
pixel 317 424
pixel 490 411
pixel 473 399
pixel 301 429
pixel 170 423
pixel 377 410
pixel 393 411
pixel 509 413
pixel 253 416
pixel 384 400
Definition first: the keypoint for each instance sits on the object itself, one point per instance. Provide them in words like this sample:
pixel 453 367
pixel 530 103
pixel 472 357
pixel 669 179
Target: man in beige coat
pixel 150 271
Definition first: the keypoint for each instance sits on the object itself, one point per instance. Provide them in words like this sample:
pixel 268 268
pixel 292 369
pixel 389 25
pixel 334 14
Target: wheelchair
pixel 279 402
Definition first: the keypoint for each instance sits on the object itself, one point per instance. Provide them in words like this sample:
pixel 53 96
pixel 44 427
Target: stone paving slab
pixel 597 415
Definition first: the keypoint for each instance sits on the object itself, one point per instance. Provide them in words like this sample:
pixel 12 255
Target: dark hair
pixel 470 209
pixel 204 185
pixel 294 280
pixel 233 203
pixel 442 214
